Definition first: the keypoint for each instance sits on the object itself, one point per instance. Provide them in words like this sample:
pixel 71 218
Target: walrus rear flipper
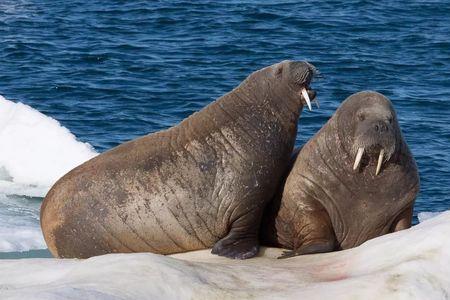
pixel 322 247
pixel 403 221
pixel 242 240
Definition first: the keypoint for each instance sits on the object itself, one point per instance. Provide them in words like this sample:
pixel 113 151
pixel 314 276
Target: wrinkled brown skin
pixel 324 205
pixel 202 183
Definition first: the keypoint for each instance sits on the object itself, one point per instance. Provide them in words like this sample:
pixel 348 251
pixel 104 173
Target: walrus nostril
pixel 380 127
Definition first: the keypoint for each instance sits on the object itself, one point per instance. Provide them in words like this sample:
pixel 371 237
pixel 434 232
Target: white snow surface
pixel 410 264
pixel 35 149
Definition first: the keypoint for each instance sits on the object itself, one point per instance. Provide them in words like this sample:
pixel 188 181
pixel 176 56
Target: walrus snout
pixel 375 141
pixel 375 132
pixel 307 72
pixel 298 76
pixel 307 94
pixel 380 127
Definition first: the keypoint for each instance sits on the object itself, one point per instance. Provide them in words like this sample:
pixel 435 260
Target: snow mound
pixel 411 264
pixel 35 149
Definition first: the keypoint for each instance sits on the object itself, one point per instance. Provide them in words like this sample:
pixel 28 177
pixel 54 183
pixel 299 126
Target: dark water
pixel 113 70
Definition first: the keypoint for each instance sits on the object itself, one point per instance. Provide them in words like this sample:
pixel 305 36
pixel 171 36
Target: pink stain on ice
pixel 332 271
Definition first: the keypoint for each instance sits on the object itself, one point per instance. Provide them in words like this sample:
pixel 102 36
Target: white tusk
pixel 380 162
pixel 306 96
pixel 358 158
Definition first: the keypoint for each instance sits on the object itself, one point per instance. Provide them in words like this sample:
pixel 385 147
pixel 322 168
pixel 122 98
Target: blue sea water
pixel 113 70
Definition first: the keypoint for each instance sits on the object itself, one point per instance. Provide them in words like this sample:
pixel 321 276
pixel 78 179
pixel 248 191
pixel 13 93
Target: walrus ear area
pixel 278 71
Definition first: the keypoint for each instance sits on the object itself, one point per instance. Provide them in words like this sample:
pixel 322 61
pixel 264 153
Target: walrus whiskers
pixel 317 103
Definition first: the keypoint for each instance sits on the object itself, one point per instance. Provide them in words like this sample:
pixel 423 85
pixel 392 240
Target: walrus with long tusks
pixel 203 183
pixel 354 180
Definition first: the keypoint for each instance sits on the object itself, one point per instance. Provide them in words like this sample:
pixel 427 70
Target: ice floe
pixel 411 264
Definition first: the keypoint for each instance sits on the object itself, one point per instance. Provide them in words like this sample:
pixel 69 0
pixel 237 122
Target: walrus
pixel 354 180
pixel 200 184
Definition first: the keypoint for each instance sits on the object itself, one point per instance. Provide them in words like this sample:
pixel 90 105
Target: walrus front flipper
pixel 242 240
pixel 236 247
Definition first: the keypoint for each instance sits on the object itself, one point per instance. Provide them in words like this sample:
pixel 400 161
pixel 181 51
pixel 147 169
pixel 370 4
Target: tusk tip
pixel 306 97
pixel 358 158
pixel 380 162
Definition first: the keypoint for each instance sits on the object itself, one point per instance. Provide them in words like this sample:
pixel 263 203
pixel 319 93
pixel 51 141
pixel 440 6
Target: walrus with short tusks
pixel 353 181
pixel 203 183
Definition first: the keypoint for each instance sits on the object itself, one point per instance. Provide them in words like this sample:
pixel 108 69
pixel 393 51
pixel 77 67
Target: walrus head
pixel 371 128
pixel 296 77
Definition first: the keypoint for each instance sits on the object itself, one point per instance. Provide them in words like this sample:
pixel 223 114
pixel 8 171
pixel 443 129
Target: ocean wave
pixel 426 215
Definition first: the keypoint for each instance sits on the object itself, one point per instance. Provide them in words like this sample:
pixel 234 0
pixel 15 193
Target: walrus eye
pixel 361 117
pixel 390 120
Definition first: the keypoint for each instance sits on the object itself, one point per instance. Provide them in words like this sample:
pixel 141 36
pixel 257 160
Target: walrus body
pixel 332 201
pixel 202 183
